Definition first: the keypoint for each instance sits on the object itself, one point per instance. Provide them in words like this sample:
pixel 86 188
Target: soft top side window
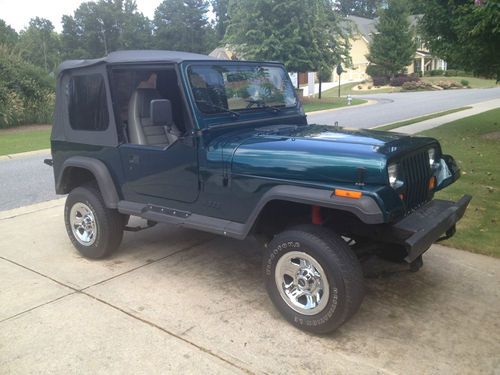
pixel 87 103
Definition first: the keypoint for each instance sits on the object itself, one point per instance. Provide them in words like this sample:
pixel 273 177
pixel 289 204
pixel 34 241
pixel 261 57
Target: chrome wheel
pixel 302 282
pixel 83 224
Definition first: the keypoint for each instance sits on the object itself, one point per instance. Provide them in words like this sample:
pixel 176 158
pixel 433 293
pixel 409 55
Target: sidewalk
pixel 174 300
pixel 438 121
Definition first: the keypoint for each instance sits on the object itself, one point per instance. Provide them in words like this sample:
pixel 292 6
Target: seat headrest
pixel 144 97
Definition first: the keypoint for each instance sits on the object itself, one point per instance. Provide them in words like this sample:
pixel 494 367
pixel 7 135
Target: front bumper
pixel 419 230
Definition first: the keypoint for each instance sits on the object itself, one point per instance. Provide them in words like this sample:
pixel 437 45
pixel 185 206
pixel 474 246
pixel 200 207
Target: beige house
pixel 364 29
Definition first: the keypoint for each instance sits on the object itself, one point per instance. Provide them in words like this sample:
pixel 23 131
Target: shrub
pixel 398 81
pixel 457 73
pixel 464 82
pixel 416 85
pixel 436 72
pixel 26 91
pixel 380 81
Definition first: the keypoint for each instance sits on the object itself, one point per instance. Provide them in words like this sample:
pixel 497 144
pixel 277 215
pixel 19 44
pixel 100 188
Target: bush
pixel 457 73
pixel 416 85
pixel 380 81
pixel 26 91
pixel 398 81
pixel 464 82
pixel 436 72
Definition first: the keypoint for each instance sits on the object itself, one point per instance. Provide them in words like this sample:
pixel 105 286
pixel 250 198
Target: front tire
pixel 313 278
pixel 95 230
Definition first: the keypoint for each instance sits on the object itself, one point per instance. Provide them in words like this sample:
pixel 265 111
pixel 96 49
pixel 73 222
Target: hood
pixel 315 153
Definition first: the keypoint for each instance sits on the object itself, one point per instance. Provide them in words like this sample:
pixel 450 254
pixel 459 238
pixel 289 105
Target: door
pixel 160 176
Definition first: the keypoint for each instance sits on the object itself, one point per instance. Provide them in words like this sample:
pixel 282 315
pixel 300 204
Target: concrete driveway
pixel 179 300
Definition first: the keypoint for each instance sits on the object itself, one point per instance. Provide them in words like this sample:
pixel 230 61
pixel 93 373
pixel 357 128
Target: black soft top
pixel 136 57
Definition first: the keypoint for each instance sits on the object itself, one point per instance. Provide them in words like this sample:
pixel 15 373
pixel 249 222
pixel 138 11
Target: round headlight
pixel 432 156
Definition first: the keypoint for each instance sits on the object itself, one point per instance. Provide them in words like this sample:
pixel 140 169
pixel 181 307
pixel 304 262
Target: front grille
pixel 416 174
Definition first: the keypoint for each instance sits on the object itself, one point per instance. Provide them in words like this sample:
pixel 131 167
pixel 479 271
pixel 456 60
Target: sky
pixel 17 13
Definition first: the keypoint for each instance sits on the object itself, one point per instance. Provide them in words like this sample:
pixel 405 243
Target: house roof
pixel 136 57
pixel 367 26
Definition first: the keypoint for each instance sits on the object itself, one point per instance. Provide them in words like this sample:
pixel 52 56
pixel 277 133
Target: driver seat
pixel 142 130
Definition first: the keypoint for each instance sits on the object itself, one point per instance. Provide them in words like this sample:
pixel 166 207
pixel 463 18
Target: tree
pixel 8 35
pixel 39 44
pixel 393 46
pixel 305 36
pixel 26 90
pixel 183 25
pixel 220 8
pixel 97 28
pixel 465 33
pixel 360 8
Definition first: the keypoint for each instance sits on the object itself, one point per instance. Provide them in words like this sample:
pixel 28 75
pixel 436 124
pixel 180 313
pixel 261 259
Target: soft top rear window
pixel 87 103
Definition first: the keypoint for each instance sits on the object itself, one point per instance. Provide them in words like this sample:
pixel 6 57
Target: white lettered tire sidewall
pixel 331 252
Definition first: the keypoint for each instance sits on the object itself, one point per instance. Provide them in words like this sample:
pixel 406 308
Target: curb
pixel 414 118
pixel 9 214
pixel 25 154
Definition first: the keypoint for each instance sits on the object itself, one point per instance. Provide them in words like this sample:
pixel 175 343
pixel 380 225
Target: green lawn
pixel 419 119
pixel 22 141
pixel 475 83
pixel 311 105
pixel 475 143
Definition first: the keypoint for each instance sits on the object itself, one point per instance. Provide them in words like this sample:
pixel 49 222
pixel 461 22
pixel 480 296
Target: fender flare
pixel 101 174
pixel 365 208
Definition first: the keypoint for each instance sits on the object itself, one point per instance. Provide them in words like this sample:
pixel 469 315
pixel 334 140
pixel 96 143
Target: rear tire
pixel 95 230
pixel 313 278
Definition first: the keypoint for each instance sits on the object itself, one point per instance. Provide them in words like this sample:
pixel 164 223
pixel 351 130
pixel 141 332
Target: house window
pixel 87 103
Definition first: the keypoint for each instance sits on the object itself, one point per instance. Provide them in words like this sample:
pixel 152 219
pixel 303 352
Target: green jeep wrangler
pixel 225 147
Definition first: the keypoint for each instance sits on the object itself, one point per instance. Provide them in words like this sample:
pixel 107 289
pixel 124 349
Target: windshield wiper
pixel 220 108
pixel 261 104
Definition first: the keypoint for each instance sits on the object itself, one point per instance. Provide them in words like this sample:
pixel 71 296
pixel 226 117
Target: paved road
pixel 173 300
pixel 401 106
pixel 27 180
pixel 24 181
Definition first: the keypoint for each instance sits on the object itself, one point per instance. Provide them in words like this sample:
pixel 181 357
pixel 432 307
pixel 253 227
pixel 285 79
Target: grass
pixel 311 105
pixel 474 142
pixel 474 82
pixel 22 141
pixel 419 119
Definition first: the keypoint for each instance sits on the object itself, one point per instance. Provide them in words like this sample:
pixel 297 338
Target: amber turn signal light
pixel 348 193
pixel 432 183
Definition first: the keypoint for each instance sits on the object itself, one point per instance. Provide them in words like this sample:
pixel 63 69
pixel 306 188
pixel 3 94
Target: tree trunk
pixel 319 95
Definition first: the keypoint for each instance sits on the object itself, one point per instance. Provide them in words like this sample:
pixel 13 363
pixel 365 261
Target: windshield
pixel 238 87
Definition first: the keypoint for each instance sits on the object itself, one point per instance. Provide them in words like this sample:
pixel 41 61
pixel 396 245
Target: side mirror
pixel 161 112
